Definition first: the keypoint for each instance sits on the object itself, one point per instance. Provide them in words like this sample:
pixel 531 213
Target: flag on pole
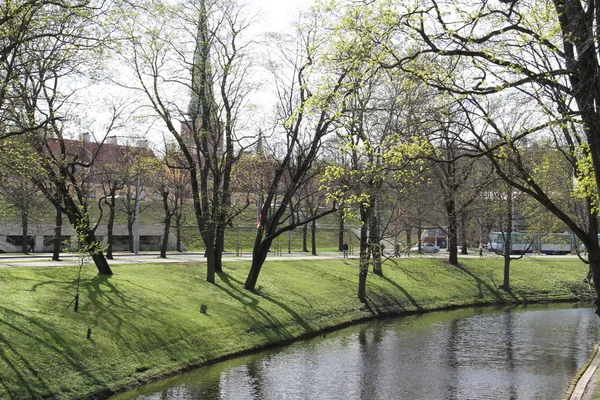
pixel 260 208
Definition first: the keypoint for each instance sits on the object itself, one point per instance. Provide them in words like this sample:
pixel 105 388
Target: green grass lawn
pixel 146 319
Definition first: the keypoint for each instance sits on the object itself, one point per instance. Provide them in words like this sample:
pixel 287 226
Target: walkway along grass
pixel 145 320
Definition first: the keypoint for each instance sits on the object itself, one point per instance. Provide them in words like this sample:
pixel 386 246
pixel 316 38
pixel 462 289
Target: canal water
pixel 521 352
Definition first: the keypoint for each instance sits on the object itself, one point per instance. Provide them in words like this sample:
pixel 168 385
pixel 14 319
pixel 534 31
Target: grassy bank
pixel 145 320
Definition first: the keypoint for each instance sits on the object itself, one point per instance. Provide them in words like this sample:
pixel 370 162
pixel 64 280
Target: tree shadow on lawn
pixel 37 387
pixel 392 297
pixel 106 298
pixel 491 289
pixel 375 298
pixel 243 296
pixel 101 305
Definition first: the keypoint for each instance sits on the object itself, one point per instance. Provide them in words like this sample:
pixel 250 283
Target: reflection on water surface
pixel 525 352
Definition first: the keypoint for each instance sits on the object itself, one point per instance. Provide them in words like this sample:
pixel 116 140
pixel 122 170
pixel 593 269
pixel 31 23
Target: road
pixel 45 259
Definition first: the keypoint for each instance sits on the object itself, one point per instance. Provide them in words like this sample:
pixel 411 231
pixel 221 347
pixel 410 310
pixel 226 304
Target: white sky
pixel 278 14
pixel 272 16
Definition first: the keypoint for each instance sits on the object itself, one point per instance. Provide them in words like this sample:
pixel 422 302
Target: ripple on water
pixel 485 353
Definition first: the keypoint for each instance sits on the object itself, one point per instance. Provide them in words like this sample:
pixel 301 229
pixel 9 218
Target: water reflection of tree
pixel 451 358
pixel 511 368
pixel 370 362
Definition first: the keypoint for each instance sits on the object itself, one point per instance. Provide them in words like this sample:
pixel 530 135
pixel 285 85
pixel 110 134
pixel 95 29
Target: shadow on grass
pixel 102 306
pixel 404 292
pixel 27 376
pixel 496 292
pixel 106 299
pixel 110 304
pixel 107 303
pixel 233 288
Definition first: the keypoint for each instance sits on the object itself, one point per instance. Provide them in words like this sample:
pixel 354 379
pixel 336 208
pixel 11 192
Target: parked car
pixel 426 248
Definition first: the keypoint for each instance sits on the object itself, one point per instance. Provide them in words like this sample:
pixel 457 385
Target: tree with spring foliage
pixel 384 148
pixel 38 105
pixel 546 51
pixel 459 178
pixel 27 25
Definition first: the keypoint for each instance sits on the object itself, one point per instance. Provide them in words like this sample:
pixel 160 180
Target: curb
pixel 583 376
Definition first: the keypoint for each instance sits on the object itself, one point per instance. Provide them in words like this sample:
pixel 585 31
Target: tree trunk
pixel 25 242
pixel 419 232
pixel 85 235
pixel 219 249
pixel 57 236
pixel 375 244
pixel 341 231
pixel 178 233
pixel 110 226
pixel 508 242
pixel 463 228
pixel 363 268
pixel 259 255
pixel 313 237
pixel 165 239
pixel 594 259
pixel 210 255
pixel 130 241
pixel 166 222
pixel 362 282
pixel 305 238
pixel 101 263
pixel 506 281
pixel 452 227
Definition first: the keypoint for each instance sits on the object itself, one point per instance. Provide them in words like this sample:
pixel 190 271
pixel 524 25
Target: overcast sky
pixel 273 16
pixel 278 14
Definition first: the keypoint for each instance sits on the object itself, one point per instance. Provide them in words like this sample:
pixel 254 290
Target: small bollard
pixel 89 332
pixel 203 308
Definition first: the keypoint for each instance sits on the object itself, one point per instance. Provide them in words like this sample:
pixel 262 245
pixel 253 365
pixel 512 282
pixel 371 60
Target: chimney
pixel 111 140
pixel 143 144
pixel 84 137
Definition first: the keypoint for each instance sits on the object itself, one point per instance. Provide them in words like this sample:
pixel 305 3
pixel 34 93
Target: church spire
pixel 202 96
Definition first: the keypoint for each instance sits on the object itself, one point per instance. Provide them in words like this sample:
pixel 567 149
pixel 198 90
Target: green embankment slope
pixel 146 319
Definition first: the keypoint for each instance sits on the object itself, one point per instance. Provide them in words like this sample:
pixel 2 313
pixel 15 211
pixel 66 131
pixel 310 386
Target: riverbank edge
pixel 580 377
pixel 309 335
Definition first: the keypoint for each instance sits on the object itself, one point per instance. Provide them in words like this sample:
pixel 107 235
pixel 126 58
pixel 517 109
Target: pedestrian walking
pixel 345 249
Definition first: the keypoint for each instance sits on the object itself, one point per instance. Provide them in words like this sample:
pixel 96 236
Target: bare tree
pixel 198 50
pixel 173 186
pixel 25 26
pixel 24 198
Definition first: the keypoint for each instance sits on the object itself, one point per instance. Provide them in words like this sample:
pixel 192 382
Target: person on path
pixel 480 250
pixel 345 249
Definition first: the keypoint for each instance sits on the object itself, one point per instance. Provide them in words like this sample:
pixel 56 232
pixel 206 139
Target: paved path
pixel 45 259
